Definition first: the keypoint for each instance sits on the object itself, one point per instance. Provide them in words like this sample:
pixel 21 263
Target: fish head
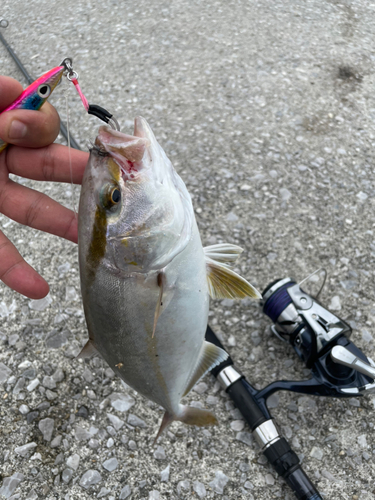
pixel 135 211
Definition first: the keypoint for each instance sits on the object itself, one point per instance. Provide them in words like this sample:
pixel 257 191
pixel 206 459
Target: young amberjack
pixel 145 277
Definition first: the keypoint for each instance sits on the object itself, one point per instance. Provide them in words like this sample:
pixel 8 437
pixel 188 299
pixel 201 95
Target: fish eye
pixel 111 196
pixel 44 90
pixel 115 195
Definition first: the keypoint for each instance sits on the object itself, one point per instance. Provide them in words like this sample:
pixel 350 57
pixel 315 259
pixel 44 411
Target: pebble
pixel 103 492
pixel 82 412
pixel 200 388
pixel 73 461
pixel 90 478
pixel 4 373
pixel 273 401
pixel 154 495
pixel 237 425
pixel 10 484
pixel 49 382
pixel 183 486
pixel 115 421
pixel 56 441
pixel 270 480
pixel 58 375
pixel 132 445
pixel 93 444
pixel 159 453
pixel 56 339
pixel 24 409
pixel 366 336
pixel 25 449
pixel 12 339
pixel 121 402
pixel 82 434
pixel 231 217
pixel 33 385
pixel 125 492
pixel 316 453
pixel 110 443
pixel 32 495
pixel 41 304
pixel 285 194
pixel 111 464
pixel 30 417
pixel 212 400
pixel 46 427
pixel 245 437
pixel 199 489
pixel 136 421
pixel 354 402
pixel 165 474
pixel 335 304
pixel 362 441
pixel 67 475
pixel 329 476
pixel 219 483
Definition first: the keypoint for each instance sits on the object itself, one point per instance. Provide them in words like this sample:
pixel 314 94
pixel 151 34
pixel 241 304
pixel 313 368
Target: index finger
pixel 51 163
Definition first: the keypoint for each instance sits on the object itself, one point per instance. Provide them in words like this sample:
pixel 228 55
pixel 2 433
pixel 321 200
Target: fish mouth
pixel 127 150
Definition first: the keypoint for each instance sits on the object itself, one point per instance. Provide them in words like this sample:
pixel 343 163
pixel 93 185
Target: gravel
pixel 266 109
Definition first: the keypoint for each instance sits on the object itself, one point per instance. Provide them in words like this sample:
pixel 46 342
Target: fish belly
pixel 120 316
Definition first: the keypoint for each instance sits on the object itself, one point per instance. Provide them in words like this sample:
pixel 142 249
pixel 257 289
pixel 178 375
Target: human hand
pixel 32 155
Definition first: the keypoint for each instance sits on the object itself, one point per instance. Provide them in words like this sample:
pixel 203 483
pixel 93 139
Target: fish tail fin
pixel 188 415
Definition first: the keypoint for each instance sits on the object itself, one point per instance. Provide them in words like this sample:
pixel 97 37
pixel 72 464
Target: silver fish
pixel 145 277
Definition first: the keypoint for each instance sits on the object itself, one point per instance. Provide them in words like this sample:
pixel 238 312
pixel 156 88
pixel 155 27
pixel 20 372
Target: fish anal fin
pixel 223 283
pixel 88 351
pixel 168 418
pixel 209 356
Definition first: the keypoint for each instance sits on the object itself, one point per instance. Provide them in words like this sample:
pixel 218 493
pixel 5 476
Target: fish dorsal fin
pixel 88 351
pixel 223 252
pixel 223 283
pixel 209 356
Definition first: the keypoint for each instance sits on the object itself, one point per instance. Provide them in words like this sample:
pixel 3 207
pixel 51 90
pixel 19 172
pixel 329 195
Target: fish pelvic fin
pixel 223 282
pixel 187 415
pixel 88 351
pixel 210 356
pixel 158 310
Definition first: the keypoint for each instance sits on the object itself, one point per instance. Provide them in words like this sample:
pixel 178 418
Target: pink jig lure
pixel 36 94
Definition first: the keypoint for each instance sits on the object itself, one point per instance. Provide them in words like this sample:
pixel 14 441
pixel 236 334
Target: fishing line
pixel 70 153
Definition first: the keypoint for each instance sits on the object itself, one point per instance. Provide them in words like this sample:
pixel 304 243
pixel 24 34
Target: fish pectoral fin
pixel 209 357
pixel 187 415
pixel 88 351
pixel 223 252
pixel 158 310
pixel 223 283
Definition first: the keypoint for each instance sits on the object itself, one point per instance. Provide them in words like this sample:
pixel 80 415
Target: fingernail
pixel 17 130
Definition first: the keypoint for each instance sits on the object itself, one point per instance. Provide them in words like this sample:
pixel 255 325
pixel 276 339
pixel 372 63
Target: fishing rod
pixel 254 410
pixel 4 24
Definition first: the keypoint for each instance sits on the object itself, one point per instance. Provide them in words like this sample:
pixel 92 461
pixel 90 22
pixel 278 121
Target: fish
pixel 36 94
pixel 145 276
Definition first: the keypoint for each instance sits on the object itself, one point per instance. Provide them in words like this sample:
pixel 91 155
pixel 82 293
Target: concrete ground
pixel 267 111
